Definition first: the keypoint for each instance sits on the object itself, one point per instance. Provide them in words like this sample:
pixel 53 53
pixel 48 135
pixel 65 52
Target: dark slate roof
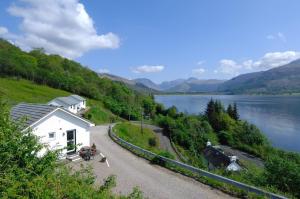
pixel 77 97
pixel 216 157
pixel 32 112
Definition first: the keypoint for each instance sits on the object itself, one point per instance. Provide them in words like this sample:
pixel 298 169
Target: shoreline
pixel 219 94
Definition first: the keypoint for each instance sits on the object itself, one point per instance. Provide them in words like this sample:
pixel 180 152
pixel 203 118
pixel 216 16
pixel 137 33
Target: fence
pixel 192 169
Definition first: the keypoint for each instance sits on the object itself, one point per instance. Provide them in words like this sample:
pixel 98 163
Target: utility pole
pixel 142 115
pixel 129 113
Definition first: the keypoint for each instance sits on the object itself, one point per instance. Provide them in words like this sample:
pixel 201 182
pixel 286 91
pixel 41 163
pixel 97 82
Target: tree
pixel 160 109
pixel 219 106
pixel 210 109
pixel 149 107
pixel 172 111
pixel 235 114
pixel 230 111
pixel 251 135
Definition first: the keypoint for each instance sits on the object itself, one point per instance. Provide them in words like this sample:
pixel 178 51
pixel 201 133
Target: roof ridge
pixel 35 112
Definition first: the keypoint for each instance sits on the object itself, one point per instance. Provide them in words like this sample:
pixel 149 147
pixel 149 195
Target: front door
pixel 71 141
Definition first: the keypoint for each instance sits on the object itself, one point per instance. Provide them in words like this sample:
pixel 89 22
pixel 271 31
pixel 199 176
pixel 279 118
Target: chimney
pixel 233 158
pixel 208 143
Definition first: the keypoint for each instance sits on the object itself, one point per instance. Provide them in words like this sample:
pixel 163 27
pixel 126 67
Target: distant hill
pixel 116 78
pixel 196 85
pixel 169 84
pixel 183 85
pixel 135 85
pixel 281 80
pixel 148 83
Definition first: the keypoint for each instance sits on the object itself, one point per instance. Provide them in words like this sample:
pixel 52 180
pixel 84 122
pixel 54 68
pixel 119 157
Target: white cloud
pixel 148 69
pixel 280 36
pixel 268 61
pixel 200 62
pixel 60 27
pixel 228 67
pixel 271 37
pixel 3 30
pixel 275 59
pixel 198 71
pixel 103 70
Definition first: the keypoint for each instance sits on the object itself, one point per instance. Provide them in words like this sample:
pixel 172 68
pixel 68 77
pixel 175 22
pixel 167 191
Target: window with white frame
pixel 51 135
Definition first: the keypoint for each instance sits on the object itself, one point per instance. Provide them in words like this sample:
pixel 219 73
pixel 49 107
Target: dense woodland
pixel 219 125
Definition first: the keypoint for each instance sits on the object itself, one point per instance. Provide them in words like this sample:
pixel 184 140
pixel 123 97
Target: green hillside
pixel 64 74
pixel 14 91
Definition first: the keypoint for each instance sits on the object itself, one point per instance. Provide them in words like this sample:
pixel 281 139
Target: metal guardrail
pixel 195 170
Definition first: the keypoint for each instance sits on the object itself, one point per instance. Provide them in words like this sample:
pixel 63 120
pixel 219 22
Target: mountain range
pixel 280 80
pixel 183 85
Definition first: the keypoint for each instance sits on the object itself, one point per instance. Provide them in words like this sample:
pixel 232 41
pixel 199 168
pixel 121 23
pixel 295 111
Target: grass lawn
pixel 16 91
pixel 132 133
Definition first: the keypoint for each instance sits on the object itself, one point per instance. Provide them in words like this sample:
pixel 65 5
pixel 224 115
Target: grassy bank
pixel 98 114
pixel 15 91
pixel 147 139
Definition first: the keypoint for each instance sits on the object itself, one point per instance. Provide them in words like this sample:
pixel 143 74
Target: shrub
pixel 284 174
pixel 225 138
pixel 157 160
pixel 167 154
pixel 152 142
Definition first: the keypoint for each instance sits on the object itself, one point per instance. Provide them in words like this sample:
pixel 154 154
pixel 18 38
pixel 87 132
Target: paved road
pixel 153 180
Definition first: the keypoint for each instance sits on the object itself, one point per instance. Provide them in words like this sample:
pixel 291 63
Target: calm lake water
pixel 278 117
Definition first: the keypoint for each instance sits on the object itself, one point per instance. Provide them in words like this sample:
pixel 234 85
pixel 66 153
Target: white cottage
pixel 56 127
pixel 216 158
pixel 72 103
pixel 81 101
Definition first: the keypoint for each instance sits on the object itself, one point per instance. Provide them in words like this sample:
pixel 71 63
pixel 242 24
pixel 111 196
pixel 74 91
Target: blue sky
pixel 159 39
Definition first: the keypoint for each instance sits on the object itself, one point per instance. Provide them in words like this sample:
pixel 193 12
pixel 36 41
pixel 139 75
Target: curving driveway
pixel 132 171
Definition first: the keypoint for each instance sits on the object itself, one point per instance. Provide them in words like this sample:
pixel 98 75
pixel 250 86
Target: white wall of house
pixel 59 123
pixel 74 108
pixel 82 104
